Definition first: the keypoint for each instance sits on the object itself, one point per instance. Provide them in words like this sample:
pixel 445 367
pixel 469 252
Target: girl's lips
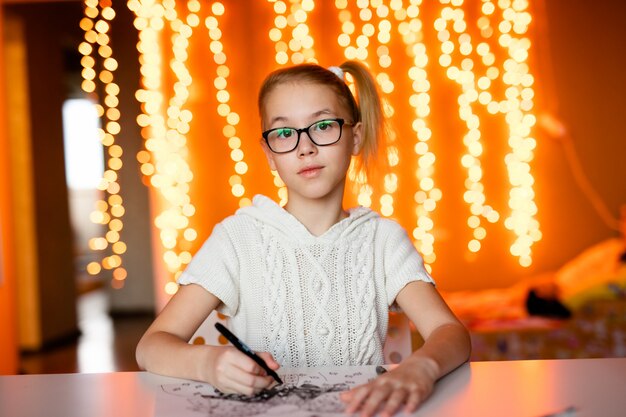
pixel 310 172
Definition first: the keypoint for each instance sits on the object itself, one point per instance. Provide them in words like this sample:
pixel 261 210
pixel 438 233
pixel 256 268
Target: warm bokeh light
pixel 473 66
pixel 231 118
pixel 102 67
pixel 165 122
pixel 426 199
pixel 291 16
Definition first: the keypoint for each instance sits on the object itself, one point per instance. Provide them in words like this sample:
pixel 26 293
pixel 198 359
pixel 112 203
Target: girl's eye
pixel 284 133
pixel 323 125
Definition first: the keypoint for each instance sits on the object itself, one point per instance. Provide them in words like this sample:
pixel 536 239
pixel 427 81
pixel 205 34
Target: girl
pixel 310 284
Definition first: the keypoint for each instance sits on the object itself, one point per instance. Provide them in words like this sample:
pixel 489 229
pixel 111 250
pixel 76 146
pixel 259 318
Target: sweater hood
pixel 272 215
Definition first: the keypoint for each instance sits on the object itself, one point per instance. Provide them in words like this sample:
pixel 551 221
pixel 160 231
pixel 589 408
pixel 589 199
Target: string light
pixel 99 68
pixel 231 118
pixel 381 33
pixel 299 47
pixel 516 106
pixel 520 120
pixel 164 130
pixel 451 22
pixel 410 29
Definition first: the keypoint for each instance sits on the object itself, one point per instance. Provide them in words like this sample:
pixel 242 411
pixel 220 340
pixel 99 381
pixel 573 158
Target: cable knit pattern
pixel 363 287
pixel 276 294
pixel 309 300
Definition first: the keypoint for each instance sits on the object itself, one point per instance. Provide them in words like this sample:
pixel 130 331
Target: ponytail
pixel 370 111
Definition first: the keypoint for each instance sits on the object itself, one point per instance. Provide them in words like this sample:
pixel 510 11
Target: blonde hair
pixel 366 107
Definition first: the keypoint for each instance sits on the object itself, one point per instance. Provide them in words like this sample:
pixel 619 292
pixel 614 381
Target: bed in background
pixel 509 324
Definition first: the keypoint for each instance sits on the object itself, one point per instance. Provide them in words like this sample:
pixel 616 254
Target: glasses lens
pixel 325 132
pixel 283 139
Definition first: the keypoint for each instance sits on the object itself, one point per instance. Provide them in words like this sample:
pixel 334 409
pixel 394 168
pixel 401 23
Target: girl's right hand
pixel 231 371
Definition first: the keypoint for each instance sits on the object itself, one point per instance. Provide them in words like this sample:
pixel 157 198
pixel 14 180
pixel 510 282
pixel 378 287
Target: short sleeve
pixel 403 264
pixel 215 268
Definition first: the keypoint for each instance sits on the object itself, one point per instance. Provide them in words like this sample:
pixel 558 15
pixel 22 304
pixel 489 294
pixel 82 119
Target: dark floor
pixel 106 344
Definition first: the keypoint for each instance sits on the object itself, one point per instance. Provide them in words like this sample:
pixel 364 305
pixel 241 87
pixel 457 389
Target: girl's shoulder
pixel 385 230
pixel 387 224
pixel 390 232
pixel 237 224
pixel 251 219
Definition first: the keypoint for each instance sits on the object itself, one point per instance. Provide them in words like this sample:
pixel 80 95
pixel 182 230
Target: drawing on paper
pixel 304 394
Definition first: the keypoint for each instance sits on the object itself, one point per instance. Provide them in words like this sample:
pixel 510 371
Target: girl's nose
pixel 306 145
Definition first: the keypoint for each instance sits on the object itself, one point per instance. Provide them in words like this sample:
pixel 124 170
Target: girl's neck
pixel 317 215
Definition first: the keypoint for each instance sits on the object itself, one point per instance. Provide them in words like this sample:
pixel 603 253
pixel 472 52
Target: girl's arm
pixel 446 340
pixel 164 347
pixel 446 346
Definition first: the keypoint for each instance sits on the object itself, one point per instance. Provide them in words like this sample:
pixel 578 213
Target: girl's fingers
pixel 394 402
pixel 245 383
pixel 235 387
pixel 269 360
pixel 386 396
pixel 346 396
pixel 412 402
pixel 244 363
pixel 374 400
pixel 254 377
pixel 355 397
pixel 240 374
pixel 258 383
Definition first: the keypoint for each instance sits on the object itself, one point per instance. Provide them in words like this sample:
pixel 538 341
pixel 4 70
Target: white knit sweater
pixel 309 300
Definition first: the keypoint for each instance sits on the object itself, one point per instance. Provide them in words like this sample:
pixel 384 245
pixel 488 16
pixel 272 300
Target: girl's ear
pixel 357 135
pixel 269 155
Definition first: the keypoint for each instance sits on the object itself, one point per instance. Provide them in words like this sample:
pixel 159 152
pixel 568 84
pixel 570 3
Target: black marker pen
pixel 246 350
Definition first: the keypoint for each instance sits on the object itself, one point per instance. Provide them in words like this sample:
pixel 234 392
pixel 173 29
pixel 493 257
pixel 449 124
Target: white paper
pixel 305 393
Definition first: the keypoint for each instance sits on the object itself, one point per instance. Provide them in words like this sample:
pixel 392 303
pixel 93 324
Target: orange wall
pixel 8 318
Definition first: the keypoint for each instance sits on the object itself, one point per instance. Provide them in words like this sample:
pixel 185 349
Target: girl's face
pixel 310 171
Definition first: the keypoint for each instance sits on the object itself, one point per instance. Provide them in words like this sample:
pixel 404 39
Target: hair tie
pixel 337 71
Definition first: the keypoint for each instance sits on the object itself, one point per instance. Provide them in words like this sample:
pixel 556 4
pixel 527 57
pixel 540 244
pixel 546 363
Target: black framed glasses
pixel 322 133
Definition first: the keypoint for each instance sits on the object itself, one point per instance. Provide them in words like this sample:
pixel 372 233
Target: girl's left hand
pixel 406 386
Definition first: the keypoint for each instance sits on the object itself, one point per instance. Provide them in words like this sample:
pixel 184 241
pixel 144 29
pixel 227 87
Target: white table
pixel 596 387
